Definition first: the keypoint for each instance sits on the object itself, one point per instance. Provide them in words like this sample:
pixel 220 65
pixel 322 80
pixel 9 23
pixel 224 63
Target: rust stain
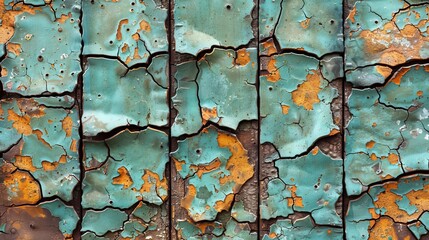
pixel 398 76
pixel 39 135
pixel 67 124
pixel 73 145
pixel 118 31
pixel 152 179
pixel 393 158
pixel 294 200
pixel 383 229
pixel 14 48
pixel 243 57
pixel 20 123
pixel 64 18
pixel 306 95
pixel 305 23
pixel 273 72
pixel 51 166
pixel 238 164
pixel 285 109
pixel 201 169
pixel 186 202
pixel 352 14
pixel 269 46
pixel 124 178
pixel 224 205
pixel 208 114
pixel 24 186
pixel 25 163
pixel 383 71
pixel 370 144
pixel 145 26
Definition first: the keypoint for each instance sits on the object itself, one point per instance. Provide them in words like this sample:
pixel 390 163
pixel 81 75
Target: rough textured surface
pixel 229 24
pixel 42 47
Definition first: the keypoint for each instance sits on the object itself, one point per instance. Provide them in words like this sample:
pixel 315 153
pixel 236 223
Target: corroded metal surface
pixel 214 119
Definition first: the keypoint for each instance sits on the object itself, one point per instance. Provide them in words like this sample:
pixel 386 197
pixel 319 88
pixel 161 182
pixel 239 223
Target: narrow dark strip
pixel 343 125
pixel 258 165
pixel 170 117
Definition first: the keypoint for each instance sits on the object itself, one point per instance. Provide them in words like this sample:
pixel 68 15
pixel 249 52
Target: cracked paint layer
pixel 215 166
pixel 381 35
pixel 215 230
pixel 388 134
pixel 229 24
pixel 116 96
pixel 300 188
pixel 144 221
pixel 295 101
pixel 47 220
pixel 302 228
pixel 219 88
pixel 42 43
pixel 125 169
pixel 396 209
pixel 306 25
pixel 49 125
pixel 128 30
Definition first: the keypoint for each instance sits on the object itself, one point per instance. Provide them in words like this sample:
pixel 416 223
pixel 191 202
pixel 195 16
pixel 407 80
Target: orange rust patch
pixel 124 48
pixel 238 164
pixel 294 200
pixel 224 205
pixel 3 72
pixel 273 72
pixel 39 135
pixel 135 36
pixel 306 95
pixel 333 132
pixel 393 158
pixel 25 163
pixel 370 144
pixel 73 145
pixel 153 182
pixel 383 71
pixel 208 114
pixel 124 178
pixel 419 93
pixel 26 189
pixel 64 18
pixel 20 123
pixel 315 150
pixel 48 166
pixel 178 164
pixel 118 31
pixel 285 109
pixel 186 202
pixel 201 169
pixel 14 48
pixel 7 17
pixel 67 124
pixel 145 26
pixel 269 46
pixel 305 23
pixel 398 76
pixel 352 14
pixel 243 57
pixel 373 156
pixel 383 229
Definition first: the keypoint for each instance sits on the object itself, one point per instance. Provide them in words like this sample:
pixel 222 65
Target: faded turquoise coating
pixel 202 150
pixel 145 212
pixel 332 67
pixel 53 144
pixel 48 51
pixel 217 81
pixel 229 24
pixel 133 229
pixel 319 191
pixel 365 76
pixel 396 46
pixel 302 229
pixel 395 118
pixel 229 231
pixel 92 236
pixel 293 133
pixel 101 222
pixel 285 20
pixel 115 97
pixel 66 214
pixel 358 221
pixel 186 102
pixel 240 214
pixel 138 153
pixel 103 33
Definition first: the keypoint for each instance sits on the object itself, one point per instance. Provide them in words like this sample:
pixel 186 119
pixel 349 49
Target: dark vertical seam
pixel 170 120
pixel 79 99
pixel 258 165
pixel 343 125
